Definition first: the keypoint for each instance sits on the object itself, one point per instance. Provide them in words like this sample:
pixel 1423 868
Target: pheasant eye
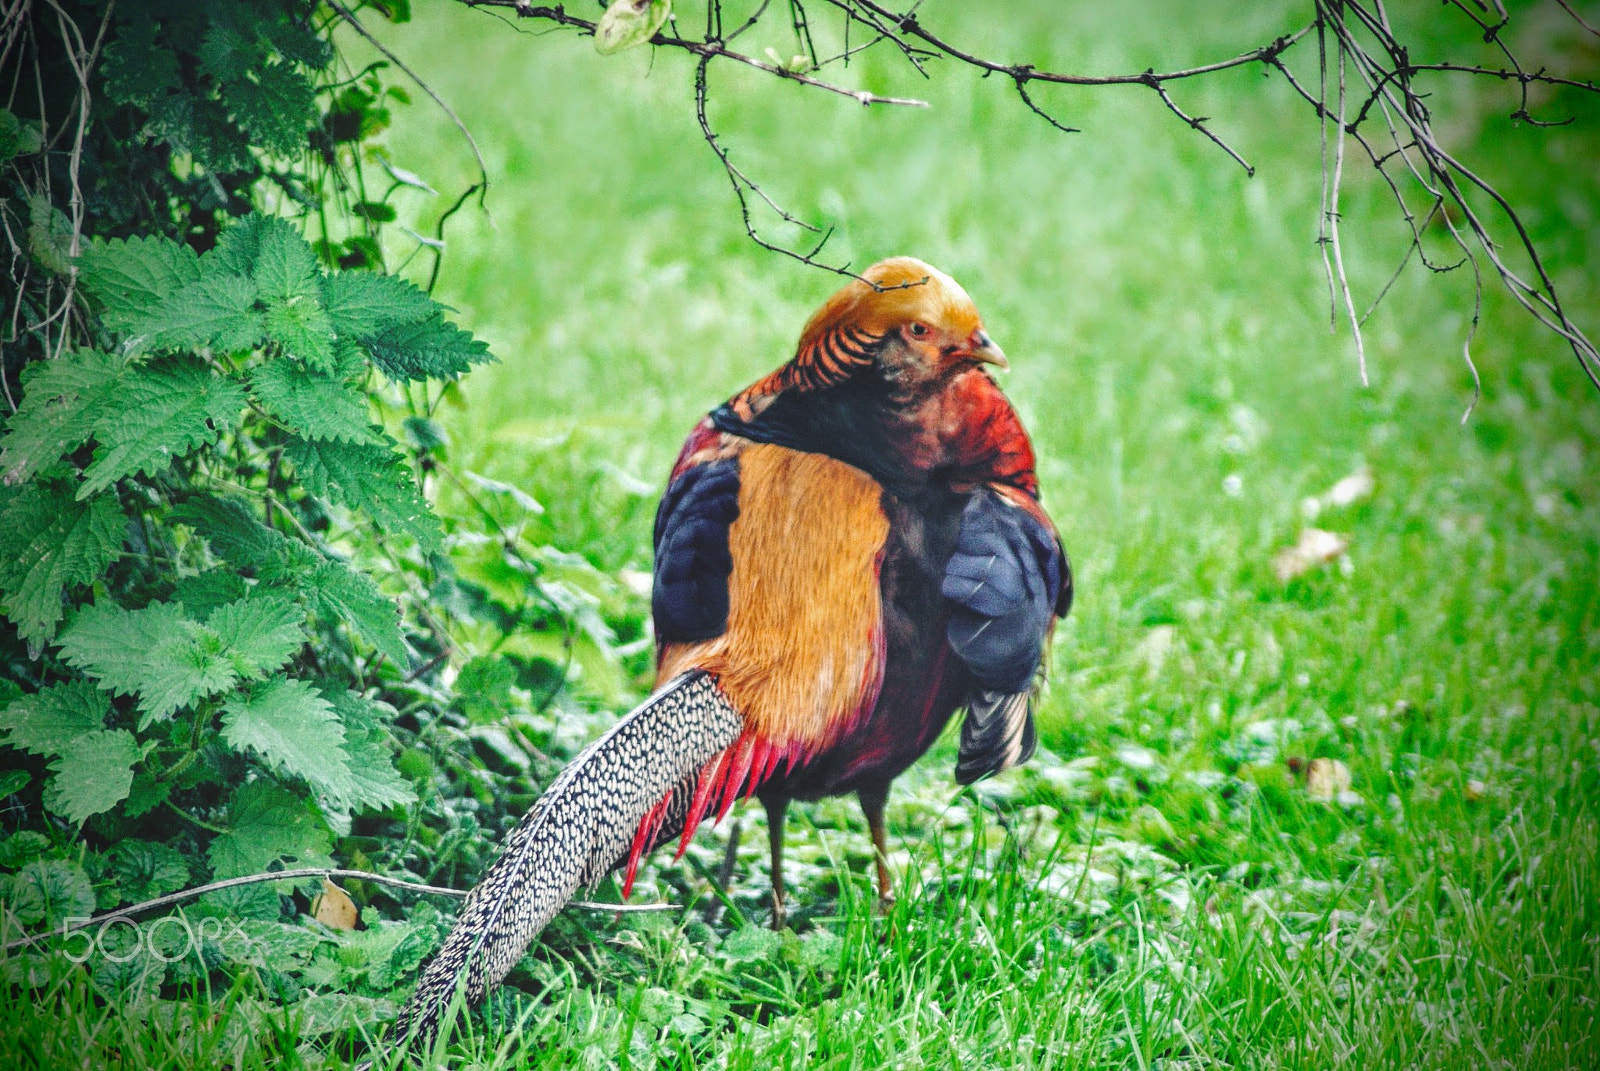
pixel 918 329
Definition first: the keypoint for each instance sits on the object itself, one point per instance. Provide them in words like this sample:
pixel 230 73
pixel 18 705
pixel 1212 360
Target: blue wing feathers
pixel 1005 583
pixel 689 599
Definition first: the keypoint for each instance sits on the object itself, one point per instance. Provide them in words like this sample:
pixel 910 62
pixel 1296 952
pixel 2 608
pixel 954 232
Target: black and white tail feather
pixel 574 835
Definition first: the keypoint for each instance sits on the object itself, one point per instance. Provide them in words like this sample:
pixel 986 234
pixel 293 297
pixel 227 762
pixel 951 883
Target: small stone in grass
pixel 1327 780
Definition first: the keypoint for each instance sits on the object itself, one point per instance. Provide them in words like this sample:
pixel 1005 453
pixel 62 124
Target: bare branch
pixel 326 873
pixel 1354 35
pixel 349 17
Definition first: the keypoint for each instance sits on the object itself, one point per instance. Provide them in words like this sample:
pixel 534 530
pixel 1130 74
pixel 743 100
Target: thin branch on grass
pixel 299 874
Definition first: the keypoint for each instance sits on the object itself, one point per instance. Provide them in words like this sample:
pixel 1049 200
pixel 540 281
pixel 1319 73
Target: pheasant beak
pixel 981 348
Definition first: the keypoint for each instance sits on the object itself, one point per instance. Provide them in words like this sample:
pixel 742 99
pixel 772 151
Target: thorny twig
pixel 1367 74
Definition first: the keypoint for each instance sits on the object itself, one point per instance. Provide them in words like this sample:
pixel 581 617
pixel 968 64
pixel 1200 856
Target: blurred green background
pixel 1167 321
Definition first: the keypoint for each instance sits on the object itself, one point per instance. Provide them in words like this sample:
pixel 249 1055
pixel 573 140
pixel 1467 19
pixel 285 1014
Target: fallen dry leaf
pixel 1315 547
pixel 334 908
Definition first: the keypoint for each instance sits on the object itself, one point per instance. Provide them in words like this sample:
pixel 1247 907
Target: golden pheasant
pixel 848 551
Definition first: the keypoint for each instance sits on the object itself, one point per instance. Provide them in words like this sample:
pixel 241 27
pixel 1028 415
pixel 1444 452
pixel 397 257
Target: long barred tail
pixel 577 831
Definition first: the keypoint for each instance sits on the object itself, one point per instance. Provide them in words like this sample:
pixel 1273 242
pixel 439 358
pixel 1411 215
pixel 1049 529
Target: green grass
pixel 1162 891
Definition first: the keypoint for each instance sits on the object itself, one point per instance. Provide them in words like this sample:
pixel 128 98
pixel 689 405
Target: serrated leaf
pixel 204 592
pixel 364 303
pixel 129 277
pixel 93 774
pixel 50 891
pixel 22 139
pixel 61 401
pixel 21 847
pixel 426 349
pixel 201 126
pixel 303 329
pixel 315 405
pixel 49 235
pixel 216 311
pixel 259 634
pixel 483 688
pixel 136 70
pixel 225 54
pixel 52 543
pixel 376 784
pixel 145 796
pixel 300 43
pixel 146 869
pixel 284 266
pixel 267 823
pixel 237 246
pixel 372 479
pixel 276 108
pixel 339 593
pixel 157 653
pixel 289 725
pixel 233 532
pixel 50 719
pixel 162 414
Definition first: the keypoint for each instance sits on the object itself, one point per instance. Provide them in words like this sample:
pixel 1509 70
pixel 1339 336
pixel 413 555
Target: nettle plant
pixel 234 637
pixel 231 395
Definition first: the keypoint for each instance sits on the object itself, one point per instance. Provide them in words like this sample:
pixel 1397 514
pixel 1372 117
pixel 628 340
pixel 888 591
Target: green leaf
pixel 427 349
pixel 299 42
pixel 49 720
pixel 51 543
pixel 333 590
pixel 136 70
pixel 238 246
pixel 338 593
pixel 216 311
pixel 21 847
pixel 93 774
pixel 226 54
pixel 13 781
pixel 146 869
pixel 373 479
pixel 204 592
pixel 162 414
pixel 259 633
pixel 51 891
pixel 627 23
pixel 234 532
pixel 303 329
pixel 61 401
pixel 483 688
pixel 16 137
pixel 267 823
pixel 145 796
pixel 130 277
pixel 315 405
pixel 292 727
pixel 157 653
pixel 49 235
pixel 363 303
pixel 369 747
pixel 276 109
pixel 284 266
